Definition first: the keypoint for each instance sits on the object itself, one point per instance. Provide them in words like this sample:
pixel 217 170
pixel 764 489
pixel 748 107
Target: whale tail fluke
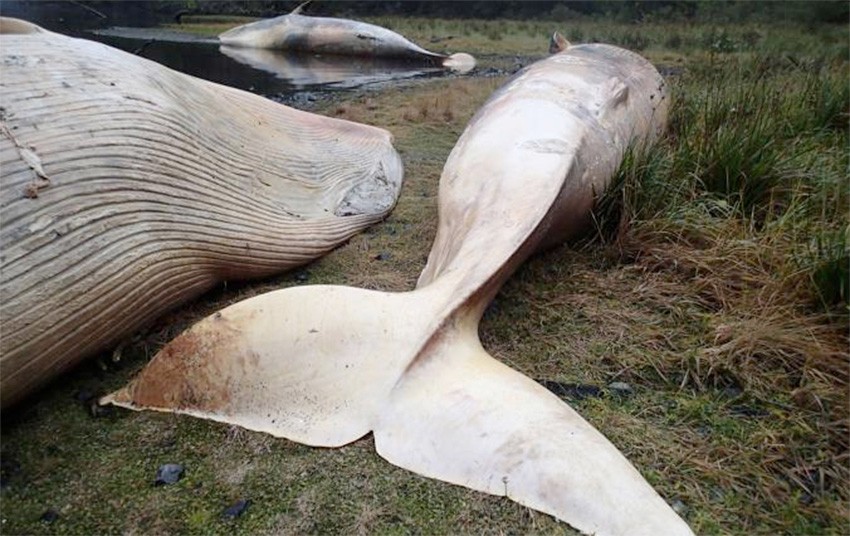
pixel 460 416
pixel 460 62
pixel 325 365
pixel 313 364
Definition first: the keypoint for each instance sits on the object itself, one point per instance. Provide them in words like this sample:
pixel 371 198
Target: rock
pixel 302 276
pixel 732 391
pixel 169 473
pixel 49 516
pixel 679 507
pixel 383 256
pixel 96 410
pixel 236 509
pixel 491 71
pixel 572 391
pixel 89 401
pixel 621 389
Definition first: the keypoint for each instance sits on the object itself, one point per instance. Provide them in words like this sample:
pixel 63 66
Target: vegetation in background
pixel 715 284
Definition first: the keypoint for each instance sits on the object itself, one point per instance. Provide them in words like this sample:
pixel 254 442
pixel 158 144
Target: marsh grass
pixel 744 210
pixel 715 285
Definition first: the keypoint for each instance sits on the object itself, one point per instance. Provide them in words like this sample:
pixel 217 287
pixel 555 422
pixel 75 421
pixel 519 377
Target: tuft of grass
pixel 827 263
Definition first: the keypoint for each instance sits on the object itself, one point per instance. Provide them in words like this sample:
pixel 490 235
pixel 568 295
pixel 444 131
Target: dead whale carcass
pixel 324 35
pixel 325 365
pixel 129 188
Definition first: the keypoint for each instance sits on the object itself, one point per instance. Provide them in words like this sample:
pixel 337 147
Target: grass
pixel 715 285
pixel 656 40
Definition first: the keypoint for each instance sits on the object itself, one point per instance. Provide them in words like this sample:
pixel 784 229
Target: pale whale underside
pixel 129 188
pixel 325 365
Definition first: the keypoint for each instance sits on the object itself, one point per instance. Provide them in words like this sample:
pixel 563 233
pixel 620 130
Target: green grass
pixel 715 285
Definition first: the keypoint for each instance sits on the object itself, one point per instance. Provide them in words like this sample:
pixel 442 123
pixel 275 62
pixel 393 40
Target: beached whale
pixel 129 188
pixel 325 35
pixel 325 365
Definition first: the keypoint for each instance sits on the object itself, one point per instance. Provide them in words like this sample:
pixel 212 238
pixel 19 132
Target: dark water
pixel 265 72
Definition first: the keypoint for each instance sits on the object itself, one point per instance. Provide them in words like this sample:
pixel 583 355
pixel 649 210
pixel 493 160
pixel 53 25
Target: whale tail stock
pixel 325 365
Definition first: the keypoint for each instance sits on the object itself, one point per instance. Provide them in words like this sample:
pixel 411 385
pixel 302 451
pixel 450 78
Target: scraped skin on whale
pixel 129 188
pixel 324 35
pixel 325 365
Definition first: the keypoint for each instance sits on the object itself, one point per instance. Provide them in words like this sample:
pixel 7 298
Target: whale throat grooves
pixel 129 188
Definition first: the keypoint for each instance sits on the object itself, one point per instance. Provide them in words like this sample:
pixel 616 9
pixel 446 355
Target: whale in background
pixel 324 35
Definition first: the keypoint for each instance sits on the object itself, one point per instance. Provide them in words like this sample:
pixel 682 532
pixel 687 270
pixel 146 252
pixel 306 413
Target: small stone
pixel 50 516
pixel 96 410
pixel 732 391
pixel 621 388
pixel 236 509
pixel 679 507
pixel 169 473
pixel 302 276
pixel 573 391
pixel 383 256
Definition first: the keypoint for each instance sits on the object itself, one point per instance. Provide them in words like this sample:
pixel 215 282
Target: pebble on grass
pixel 169 473
pixel 49 516
pixel 236 509
pixel 621 389
pixel 572 391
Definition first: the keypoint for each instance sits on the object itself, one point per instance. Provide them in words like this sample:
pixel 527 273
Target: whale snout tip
pixel 460 62
pixel 377 194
